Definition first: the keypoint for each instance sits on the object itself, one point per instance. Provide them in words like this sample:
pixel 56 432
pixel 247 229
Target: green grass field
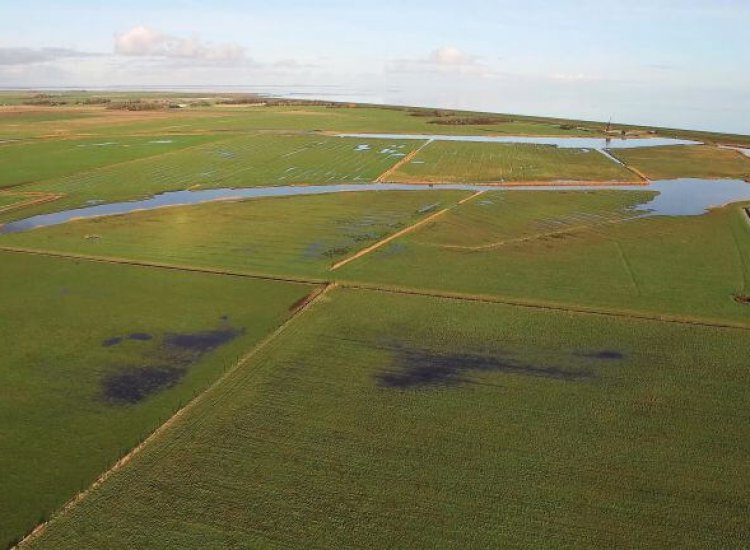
pixel 247 161
pixel 438 424
pixel 504 369
pixel 569 248
pixel 111 353
pixel 455 162
pixel 221 118
pixel 247 236
pixel 700 161
pixel 28 162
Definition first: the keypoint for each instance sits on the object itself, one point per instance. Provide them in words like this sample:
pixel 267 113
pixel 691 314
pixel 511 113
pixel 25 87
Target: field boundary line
pixel 509 185
pixel 160 430
pixel 546 306
pixel 641 175
pixel 408 158
pixel 354 285
pixel 404 231
pixel 516 240
pixel 40 198
pixel 159 265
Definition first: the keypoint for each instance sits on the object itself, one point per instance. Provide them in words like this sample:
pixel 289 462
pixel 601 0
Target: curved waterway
pixel 680 197
pixel 562 142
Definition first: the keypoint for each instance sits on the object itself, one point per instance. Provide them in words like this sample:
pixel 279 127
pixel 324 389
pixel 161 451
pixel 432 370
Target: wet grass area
pixel 610 355
pixel 164 366
pixel 419 368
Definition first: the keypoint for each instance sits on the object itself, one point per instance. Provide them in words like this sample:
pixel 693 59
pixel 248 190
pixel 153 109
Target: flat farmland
pixel 383 369
pixel 27 162
pixel 456 162
pixel 247 161
pixel 25 122
pixel 594 255
pixel 431 423
pixel 699 161
pixel 298 236
pixel 111 353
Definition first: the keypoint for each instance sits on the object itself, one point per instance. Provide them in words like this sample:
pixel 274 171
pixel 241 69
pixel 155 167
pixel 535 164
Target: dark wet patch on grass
pixel 163 366
pixel 415 368
pixel 604 354
pixel 369 236
pixel 134 384
pixel 396 248
pixel 428 208
pixel 313 251
pixel 109 342
pixel 201 342
pixel 336 251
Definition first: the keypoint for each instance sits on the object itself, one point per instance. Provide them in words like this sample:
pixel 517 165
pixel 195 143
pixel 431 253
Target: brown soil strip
pixel 163 428
pixel 641 176
pixel 408 158
pixel 38 198
pixel 303 302
pixel 747 214
pixel 398 234
pixel 160 265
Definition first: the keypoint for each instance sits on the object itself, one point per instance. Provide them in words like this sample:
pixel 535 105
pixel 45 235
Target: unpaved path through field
pixel 404 231
pixel 408 158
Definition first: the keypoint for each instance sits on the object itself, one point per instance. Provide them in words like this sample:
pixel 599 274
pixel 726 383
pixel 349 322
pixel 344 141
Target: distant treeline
pixel 282 102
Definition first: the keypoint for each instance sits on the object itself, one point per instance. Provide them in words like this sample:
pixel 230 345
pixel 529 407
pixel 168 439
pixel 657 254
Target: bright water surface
pixel 680 197
pixel 562 142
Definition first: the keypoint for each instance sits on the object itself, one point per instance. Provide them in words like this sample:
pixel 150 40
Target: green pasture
pixel 575 248
pixel 457 162
pixel 97 356
pixel 247 161
pixel 680 161
pixel 298 236
pixel 32 162
pixel 382 421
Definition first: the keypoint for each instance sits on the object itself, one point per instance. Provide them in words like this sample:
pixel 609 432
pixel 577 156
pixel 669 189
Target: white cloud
pixel 147 42
pixel 446 59
pixel 450 56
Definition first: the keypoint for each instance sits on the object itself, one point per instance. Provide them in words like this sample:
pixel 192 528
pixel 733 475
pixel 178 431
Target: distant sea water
pixel 731 115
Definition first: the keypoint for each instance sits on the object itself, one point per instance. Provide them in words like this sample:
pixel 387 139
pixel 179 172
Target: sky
pixel 671 63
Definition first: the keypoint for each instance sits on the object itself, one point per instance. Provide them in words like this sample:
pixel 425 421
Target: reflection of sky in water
pixel 562 142
pixel 681 197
